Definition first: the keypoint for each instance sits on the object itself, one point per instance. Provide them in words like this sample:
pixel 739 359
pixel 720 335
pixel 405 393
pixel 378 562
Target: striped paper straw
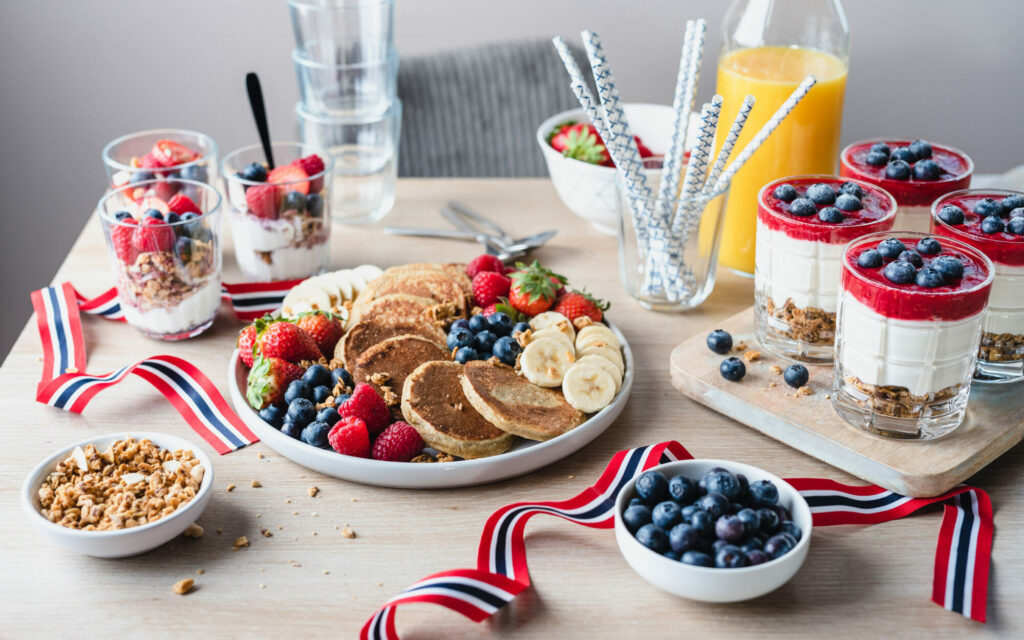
pixel 677 147
pixel 693 73
pixel 576 76
pixel 728 144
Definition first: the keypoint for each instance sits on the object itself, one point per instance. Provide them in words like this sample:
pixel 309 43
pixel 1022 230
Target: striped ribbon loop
pixel 960 581
pixel 65 384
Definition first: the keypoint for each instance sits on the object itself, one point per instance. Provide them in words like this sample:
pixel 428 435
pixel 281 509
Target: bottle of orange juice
pixel 769 48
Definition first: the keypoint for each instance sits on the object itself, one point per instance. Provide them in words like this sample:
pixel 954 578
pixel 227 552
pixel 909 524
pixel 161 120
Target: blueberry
pixel 315 434
pixel 317 375
pixel 927 170
pixel 891 248
pixel 821 193
pixel 852 188
pixel 832 215
pixel 903 153
pixel 1016 225
pixel 785 192
pixel 757 556
pixel 183 248
pixel 507 350
pixel 793 530
pixel 723 482
pixel 195 172
pixel 635 501
pixel 483 342
pixel 921 149
pixel 121 216
pixel 683 537
pixel 870 259
pixel 141 176
pixel 671 555
pixel 465 354
pixel 652 487
pixel 876 159
pixel 703 523
pixel 769 520
pixel 340 399
pixel 342 376
pixel 500 323
pixel 951 214
pixel 702 483
pixel 294 201
pixel 744 487
pixel 478 323
pixel 796 375
pixel 733 369
pixel 683 490
pixel 519 328
pixel 992 224
pixel 328 415
pixel 846 202
pixel 458 338
pixel 1013 201
pixel 950 268
pixel 1017 213
pixel 666 514
pixel 928 246
pixel 315 205
pixel 697 559
pixel 988 207
pixel 881 147
pixel 714 504
pixel 154 213
pixel 779 545
pixel 752 544
pixel 802 207
pixel 730 557
pixel 718 544
pixel 900 272
pixel 653 537
pixel 253 172
pixel 321 393
pixel 189 216
pixel 272 415
pixel 763 494
pixel 784 515
pixel 636 516
pixel 929 278
pixel 301 412
pixel 912 257
pixel 730 528
pixel 735 507
pixel 688 510
pixel 897 170
pixel 719 341
pixel 462 323
pixel 297 389
pixel 291 430
pixel 172 218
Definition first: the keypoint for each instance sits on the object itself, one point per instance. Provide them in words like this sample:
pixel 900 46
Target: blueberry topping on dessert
pixel 733 369
pixel 912 257
pixel 294 201
pixel 898 170
pixel 154 213
pixel 882 148
pixel 300 412
pixel 315 434
pixel 1013 202
pixel 928 246
pixel 852 188
pixel 846 202
pixel 315 204
pixel 891 248
pixel 949 267
pixel 342 376
pixel 921 149
pixel 870 259
pixel 507 350
pixel 903 153
pixel 988 207
pixel 465 354
pixel 317 375
pixel 478 323
pixel 329 415
pixel 821 193
pixel 785 192
pixel 500 323
pixel 320 394
pixel 195 172
pixel 483 342
pixel 900 272
pixel 929 278
pixel 927 170
pixel 796 375
pixel 876 159
pixel 803 207
pixel 992 224
pixel 831 215
pixel 272 415
pixel 253 172
pixel 1017 213
pixel 297 389
pixel 719 341
pixel 121 216
pixel 1016 224
pixel 951 214
pixel 459 337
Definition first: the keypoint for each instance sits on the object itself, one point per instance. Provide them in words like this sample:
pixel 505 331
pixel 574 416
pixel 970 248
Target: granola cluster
pixel 898 402
pixel 1001 347
pixel 159 279
pixel 132 483
pixel 810 325
pixel 309 232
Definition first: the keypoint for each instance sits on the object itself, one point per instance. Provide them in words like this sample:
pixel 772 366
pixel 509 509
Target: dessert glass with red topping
pixel 280 216
pixel 911 308
pixel 915 172
pixel 160 154
pixel 992 221
pixel 803 224
pixel 166 255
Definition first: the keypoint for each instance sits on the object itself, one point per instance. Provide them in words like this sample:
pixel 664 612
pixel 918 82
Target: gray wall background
pixel 76 74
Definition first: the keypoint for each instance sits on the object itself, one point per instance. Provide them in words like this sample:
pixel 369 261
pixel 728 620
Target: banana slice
pixel 553 333
pixel 588 388
pixel 548 319
pixel 606 364
pixel 358 281
pixel 612 354
pixel 368 271
pixel 342 283
pixel 545 361
pixel 328 286
pixel 305 297
pixel 595 331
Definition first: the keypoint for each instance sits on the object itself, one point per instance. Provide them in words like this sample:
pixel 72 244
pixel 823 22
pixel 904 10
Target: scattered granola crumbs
pixel 220 531
pixel 259 455
pixel 772 385
pixel 231 487
pixel 380 584
pixel 39 358
pixel 193 531
pixel 828 396
pixel 295 513
pixel 314 533
pixel 288 501
pixel 312 491
pixel 259 515
pixel 776 369
pixel 312 513
pixel 183 586
pixel 262 569
pixel 296 565
pixel 280 528
pixel 572 477
pixel 200 571
pixel 240 541
pixel 355 500
pixel 71 370
pixel 255 484
pixel 325 572
pixel 751 355
pixel 348 532
pixel 263 586
pixel 804 391
pixel 423 457
pixel 741 346
pixel 266 533
pixel 445 457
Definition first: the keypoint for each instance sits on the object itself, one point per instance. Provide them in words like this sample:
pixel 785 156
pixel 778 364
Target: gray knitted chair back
pixel 475 112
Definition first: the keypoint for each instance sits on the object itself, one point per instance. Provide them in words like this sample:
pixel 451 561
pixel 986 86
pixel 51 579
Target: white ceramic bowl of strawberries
pixel 589 189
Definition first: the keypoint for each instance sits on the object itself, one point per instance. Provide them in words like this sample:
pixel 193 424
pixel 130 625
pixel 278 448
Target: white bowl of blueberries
pixel 712 530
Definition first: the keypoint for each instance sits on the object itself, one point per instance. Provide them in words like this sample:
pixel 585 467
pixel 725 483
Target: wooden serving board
pixel 994 423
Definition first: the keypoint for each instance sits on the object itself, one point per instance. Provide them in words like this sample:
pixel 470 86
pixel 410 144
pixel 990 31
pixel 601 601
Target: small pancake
pixel 396 306
pixel 457 270
pixel 514 404
pixel 433 403
pixel 423 283
pixel 388 363
pixel 369 331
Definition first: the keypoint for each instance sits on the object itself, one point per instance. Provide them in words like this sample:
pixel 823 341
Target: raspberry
pixel 368 406
pixel 121 237
pixel 312 165
pixel 182 204
pixel 153 235
pixel 485 262
pixel 349 437
pixel 263 201
pixel 398 443
pixel 489 286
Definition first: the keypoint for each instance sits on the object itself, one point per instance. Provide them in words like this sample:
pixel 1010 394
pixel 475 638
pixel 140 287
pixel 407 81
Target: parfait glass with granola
pixel 164 245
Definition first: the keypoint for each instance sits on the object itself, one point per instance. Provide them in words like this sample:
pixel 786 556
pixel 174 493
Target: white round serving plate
pixel 120 543
pixel 524 456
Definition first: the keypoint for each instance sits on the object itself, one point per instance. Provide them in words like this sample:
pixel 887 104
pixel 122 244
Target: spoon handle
pixel 259 113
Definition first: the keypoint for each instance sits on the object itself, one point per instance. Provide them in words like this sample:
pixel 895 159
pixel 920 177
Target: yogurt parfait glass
pixel 992 221
pixel 911 309
pixel 166 255
pixel 280 216
pixel 160 154
pixel 803 225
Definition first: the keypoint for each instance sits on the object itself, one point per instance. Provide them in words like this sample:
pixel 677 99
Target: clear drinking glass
pixel 365 151
pixel 350 31
pixel 351 89
pixel 167 265
pixel 697 244
pixel 160 154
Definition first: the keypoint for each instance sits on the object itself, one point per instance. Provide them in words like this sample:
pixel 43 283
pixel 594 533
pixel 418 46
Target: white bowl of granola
pixel 141 488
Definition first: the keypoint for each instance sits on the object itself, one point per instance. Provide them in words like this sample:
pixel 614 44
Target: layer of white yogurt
pixel 913 218
pixel 924 356
pixel 805 271
pixel 253 237
pixel 1006 302
pixel 191 312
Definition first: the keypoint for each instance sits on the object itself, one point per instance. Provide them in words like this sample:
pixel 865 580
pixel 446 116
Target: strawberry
pixel 181 204
pixel 172 153
pixel 583 143
pixel 325 329
pixel 350 437
pixel 263 201
pixel 162 190
pixel 488 286
pixel 268 379
pixel 286 341
pixel 645 151
pixel 312 165
pixel 484 262
pixel 244 343
pixel 290 175
pixel 153 235
pixel 576 304
pixel 558 135
pixel 150 161
pixel 152 202
pixel 533 288
pixel 400 442
pixel 121 236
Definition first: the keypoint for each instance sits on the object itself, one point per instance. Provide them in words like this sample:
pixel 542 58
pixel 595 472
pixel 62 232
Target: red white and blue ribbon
pixel 961 560
pixel 65 384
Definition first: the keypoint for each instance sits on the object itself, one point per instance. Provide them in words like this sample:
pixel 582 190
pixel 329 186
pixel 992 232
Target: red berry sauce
pixel 1003 247
pixel 956 167
pixel 877 214
pixel 961 299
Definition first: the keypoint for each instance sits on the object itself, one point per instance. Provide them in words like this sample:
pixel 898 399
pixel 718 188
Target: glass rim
pixel 625 191
pixel 345 5
pixel 959 244
pixel 394 111
pixel 299 57
pixel 109 160
pixel 891 213
pixel 848 149
pixel 110 219
pixel 326 157
pixel 981 191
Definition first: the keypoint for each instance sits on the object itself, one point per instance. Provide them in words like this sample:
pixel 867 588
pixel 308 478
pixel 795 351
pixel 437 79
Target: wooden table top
pixel 310 581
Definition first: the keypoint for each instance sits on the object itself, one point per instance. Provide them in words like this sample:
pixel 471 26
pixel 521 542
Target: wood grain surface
pixel 310 581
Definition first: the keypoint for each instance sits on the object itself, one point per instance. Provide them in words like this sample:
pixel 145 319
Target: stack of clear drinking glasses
pixel 347 68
